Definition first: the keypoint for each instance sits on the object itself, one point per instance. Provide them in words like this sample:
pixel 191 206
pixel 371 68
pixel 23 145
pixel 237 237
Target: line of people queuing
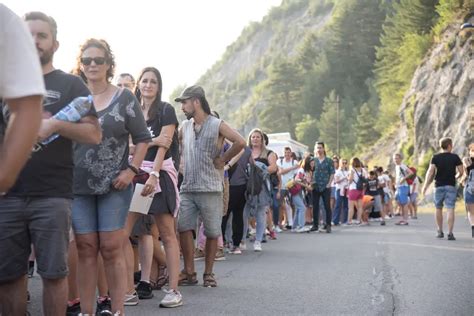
pixel 210 189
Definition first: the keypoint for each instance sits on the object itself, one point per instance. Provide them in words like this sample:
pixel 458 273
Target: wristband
pixel 133 168
pixel 156 174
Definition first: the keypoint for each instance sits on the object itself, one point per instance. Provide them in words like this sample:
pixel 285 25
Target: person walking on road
pixel 443 168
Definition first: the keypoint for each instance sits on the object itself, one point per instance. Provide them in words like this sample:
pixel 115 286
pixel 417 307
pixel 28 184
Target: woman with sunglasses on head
pixel 162 163
pixel 103 176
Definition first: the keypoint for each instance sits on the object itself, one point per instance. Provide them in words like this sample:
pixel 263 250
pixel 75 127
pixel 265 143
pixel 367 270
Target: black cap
pixel 191 92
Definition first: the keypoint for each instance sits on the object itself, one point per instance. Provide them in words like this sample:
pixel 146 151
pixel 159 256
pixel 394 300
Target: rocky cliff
pixel 439 103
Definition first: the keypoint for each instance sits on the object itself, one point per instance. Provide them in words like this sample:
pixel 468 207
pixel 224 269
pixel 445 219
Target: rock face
pixel 441 96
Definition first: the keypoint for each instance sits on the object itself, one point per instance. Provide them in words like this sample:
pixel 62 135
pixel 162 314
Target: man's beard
pixel 189 115
pixel 46 56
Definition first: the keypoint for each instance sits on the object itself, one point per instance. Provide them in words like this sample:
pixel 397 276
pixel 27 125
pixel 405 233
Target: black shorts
pixel 143 225
pixel 42 221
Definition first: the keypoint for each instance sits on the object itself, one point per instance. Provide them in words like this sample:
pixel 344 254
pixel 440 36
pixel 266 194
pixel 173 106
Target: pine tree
pixel 365 128
pixel 281 93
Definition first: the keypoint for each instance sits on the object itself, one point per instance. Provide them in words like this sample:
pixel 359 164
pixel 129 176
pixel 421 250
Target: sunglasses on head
pixel 86 61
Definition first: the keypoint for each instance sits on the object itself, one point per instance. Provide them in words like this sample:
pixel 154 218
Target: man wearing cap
pixel 202 136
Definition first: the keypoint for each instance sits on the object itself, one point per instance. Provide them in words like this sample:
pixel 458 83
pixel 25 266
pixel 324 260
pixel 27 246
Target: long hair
pixel 155 106
pixel 264 151
pixel 109 56
pixel 356 163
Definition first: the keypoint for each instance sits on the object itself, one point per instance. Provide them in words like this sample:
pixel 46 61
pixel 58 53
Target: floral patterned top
pixel 322 173
pixel 96 166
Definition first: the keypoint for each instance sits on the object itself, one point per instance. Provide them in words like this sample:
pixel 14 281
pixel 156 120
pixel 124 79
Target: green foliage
pixel 364 127
pixel 447 10
pixel 177 106
pixel 307 131
pixel 281 90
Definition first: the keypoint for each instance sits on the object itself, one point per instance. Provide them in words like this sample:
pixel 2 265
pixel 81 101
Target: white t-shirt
pixel 386 179
pixel 283 164
pixel 355 178
pixel 341 175
pixel 400 175
pixel 415 187
pixel 20 69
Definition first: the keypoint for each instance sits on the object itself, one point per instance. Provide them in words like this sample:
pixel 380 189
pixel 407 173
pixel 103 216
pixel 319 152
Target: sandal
pixel 187 279
pixel 209 280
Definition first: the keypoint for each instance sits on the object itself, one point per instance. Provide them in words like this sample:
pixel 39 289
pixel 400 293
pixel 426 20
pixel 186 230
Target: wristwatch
pixel 156 174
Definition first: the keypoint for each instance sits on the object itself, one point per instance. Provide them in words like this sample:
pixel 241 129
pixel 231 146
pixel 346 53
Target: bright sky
pixel 182 38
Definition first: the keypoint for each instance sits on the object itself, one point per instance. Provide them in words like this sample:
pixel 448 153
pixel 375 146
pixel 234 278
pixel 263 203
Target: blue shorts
pixel 414 197
pixel 101 213
pixel 403 192
pixel 445 196
pixel 468 197
pixel 333 192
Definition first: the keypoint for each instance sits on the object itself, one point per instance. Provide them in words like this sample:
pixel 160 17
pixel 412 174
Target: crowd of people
pixel 124 190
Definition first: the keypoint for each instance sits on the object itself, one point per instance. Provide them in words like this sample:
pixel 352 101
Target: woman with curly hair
pixel 103 176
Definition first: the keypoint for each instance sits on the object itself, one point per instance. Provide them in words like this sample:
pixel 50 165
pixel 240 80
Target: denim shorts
pixel 468 197
pixel 207 205
pixel 403 194
pixel 445 196
pixel 333 192
pixel 101 213
pixel 42 221
pixel 414 197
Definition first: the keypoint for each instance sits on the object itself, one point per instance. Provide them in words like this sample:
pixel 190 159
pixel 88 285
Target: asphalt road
pixel 371 270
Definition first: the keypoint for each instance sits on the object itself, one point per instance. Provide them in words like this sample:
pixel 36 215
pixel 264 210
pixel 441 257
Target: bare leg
pixel 102 285
pixel 439 219
pixel 360 210
pixel 187 246
pixel 405 212
pixel 111 248
pixel 128 251
pixel 145 250
pixel 351 211
pixel 211 248
pixel 451 216
pixel 72 277
pixel 158 253
pixel 13 297
pixel 87 248
pixel 55 296
pixel 166 226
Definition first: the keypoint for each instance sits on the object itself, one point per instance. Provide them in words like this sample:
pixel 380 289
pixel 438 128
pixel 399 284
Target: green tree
pixel 281 94
pixel 307 131
pixel 327 123
pixel 364 128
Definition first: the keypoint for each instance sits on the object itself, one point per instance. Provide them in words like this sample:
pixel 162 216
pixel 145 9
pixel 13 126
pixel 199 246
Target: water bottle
pixel 72 112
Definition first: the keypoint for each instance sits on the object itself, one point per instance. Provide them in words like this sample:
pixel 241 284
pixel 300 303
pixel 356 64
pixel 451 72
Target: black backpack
pixel 254 180
pixel 361 181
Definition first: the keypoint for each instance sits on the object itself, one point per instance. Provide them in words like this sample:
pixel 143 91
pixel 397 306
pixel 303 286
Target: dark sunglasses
pixel 86 61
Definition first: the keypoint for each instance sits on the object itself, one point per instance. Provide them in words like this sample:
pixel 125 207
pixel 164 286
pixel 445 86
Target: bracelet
pixel 133 168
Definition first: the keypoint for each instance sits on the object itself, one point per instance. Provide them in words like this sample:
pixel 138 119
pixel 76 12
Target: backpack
pixel 254 180
pixel 360 181
pixel 470 182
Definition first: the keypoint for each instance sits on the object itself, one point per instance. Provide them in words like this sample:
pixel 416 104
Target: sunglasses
pixel 86 61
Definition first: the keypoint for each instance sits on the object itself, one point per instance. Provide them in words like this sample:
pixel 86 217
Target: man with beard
pixel 202 136
pixel 36 210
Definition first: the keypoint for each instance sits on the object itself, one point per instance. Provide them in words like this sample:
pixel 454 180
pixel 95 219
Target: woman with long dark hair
pixel 162 161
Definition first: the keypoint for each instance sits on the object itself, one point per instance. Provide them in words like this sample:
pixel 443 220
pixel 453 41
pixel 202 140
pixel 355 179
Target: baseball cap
pixel 191 92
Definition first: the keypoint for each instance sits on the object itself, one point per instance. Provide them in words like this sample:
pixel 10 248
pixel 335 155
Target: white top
pixel 284 165
pixel 355 178
pixel 384 178
pixel 341 175
pixel 400 175
pixel 20 69
pixel 415 186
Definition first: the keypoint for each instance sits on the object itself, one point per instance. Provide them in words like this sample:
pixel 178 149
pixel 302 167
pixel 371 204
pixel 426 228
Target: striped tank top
pixel 199 150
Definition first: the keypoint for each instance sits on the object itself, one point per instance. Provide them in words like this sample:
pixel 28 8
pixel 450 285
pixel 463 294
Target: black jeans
pixel 236 207
pixel 326 195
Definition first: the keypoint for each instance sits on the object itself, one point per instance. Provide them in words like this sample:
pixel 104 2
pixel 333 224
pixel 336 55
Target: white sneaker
pixel 278 229
pixel 243 246
pixel 257 246
pixel 131 299
pixel 172 299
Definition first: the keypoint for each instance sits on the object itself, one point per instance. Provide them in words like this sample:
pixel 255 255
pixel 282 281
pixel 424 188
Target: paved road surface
pixel 371 270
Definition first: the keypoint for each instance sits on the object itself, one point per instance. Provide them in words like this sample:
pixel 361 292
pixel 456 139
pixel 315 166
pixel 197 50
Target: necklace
pixel 94 94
